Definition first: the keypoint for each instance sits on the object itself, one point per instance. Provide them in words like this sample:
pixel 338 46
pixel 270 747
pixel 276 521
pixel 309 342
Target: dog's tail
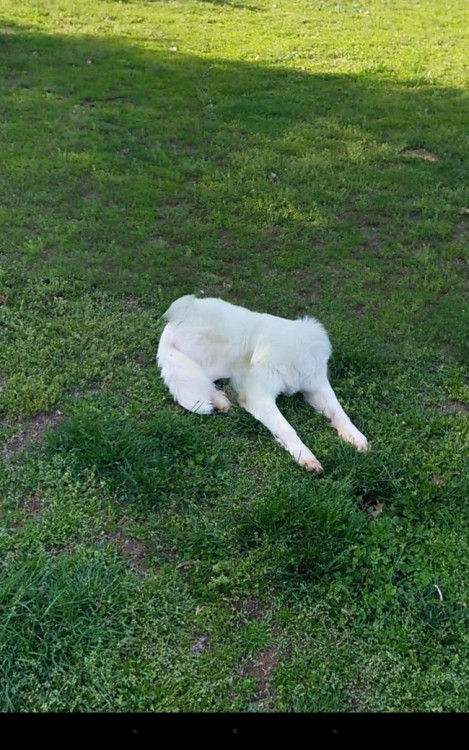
pixel 187 382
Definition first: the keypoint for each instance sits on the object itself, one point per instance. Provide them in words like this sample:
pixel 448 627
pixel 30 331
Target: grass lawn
pixel 296 157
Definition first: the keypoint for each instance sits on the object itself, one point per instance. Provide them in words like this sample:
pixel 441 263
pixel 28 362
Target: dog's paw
pixel 310 463
pixel 355 438
pixel 221 401
pixel 314 465
pixel 362 445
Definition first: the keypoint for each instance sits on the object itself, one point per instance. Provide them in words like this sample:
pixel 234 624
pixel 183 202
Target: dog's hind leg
pixel 186 380
pixel 324 400
pixel 262 406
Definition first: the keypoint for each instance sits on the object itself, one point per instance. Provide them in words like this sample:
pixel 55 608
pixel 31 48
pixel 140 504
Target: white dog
pixel 263 355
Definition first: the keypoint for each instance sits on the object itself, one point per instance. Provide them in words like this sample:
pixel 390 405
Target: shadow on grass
pixel 144 168
pixel 157 461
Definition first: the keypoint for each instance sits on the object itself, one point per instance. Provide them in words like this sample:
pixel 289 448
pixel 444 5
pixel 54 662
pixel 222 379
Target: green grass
pixel 295 157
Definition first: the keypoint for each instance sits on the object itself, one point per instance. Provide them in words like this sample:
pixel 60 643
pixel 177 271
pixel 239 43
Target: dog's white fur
pixel 263 355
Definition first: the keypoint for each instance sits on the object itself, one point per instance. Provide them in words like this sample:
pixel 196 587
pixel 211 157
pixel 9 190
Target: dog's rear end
pixel 188 383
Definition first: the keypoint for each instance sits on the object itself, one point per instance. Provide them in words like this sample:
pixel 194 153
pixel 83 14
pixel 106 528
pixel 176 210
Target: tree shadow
pixel 160 173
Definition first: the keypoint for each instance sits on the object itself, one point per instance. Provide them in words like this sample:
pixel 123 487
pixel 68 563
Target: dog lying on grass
pixel 208 339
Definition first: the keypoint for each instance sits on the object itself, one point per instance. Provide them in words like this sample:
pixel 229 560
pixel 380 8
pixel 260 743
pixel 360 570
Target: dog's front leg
pixel 324 400
pixel 264 408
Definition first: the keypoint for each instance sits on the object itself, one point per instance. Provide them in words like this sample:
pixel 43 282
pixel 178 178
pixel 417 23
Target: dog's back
pixel 212 316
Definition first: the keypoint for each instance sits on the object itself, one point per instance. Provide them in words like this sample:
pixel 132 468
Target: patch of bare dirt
pixel 130 301
pixel 33 507
pixel 374 235
pixel 263 666
pixel 182 146
pixel 171 205
pixel 262 669
pixel 422 153
pixel 252 609
pixel 82 394
pixel 455 406
pixel 358 692
pixel 461 230
pixel 31 432
pixel 133 550
pixel 360 309
pixel 200 644
pixel 226 239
